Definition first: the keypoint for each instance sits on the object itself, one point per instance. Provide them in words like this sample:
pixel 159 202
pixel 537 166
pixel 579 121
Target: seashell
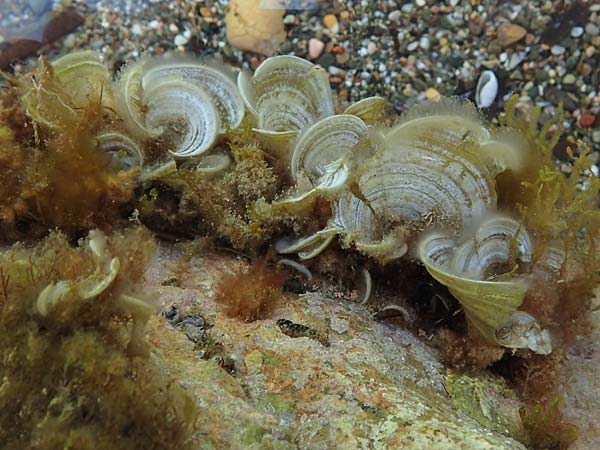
pixel 488 305
pixel 486 90
pixel 371 110
pixel 124 152
pixel 285 95
pixel 523 331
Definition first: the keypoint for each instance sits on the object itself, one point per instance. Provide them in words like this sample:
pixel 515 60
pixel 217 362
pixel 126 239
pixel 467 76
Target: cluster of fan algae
pixel 177 144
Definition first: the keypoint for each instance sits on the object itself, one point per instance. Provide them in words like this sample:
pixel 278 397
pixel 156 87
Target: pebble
pixel 576 31
pixel 412 46
pixel 315 48
pixel 290 19
pixel 509 34
pixel 424 43
pixel 569 79
pixel 432 94
pixel 371 47
pixel 589 51
pixel 596 136
pixel 421 3
pixel 557 50
pixel 180 40
pixel 592 29
pixel 331 22
pixel 69 41
pixel 587 120
pixel 137 29
pixel 342 58
pixel 394 16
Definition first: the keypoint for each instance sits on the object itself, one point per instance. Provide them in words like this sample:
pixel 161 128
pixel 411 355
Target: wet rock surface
pixel 319 373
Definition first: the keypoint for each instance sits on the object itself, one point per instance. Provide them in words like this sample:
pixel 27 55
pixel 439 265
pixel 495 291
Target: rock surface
pixel 580 385
pixel 349 382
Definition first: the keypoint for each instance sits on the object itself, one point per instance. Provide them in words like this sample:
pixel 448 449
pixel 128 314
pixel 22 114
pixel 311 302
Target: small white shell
pixel 486 90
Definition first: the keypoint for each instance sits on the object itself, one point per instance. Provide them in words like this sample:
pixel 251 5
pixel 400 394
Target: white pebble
pixel 412 46
pixel 424 42
pixel 576 31
pixel 180 40
pixel 557 50
pixel 394 16
pixel 137 29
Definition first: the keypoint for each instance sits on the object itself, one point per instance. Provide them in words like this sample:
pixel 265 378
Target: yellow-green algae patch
pixel 487 399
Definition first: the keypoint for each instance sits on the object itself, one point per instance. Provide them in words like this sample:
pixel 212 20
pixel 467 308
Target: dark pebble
pixel 555 95
pixel 326 60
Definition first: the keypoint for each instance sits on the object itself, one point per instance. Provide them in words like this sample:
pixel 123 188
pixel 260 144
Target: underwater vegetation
pixel 251 294
pixel 75 367
pixel 272 160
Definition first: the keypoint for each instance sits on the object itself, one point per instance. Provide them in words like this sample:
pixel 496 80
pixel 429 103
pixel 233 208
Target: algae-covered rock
pixel 580 384
pixel 318 373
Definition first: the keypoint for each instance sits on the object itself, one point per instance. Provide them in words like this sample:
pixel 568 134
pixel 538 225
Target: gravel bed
pixel 406 51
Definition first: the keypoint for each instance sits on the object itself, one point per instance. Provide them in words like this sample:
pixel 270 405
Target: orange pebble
pixel 587 120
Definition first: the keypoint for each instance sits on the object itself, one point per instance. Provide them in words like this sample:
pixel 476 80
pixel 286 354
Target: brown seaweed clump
pixel 74 365
pixel 251 294
pixel 56 175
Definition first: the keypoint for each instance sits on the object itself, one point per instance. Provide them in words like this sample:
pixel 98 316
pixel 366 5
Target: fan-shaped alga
pixel 473 210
